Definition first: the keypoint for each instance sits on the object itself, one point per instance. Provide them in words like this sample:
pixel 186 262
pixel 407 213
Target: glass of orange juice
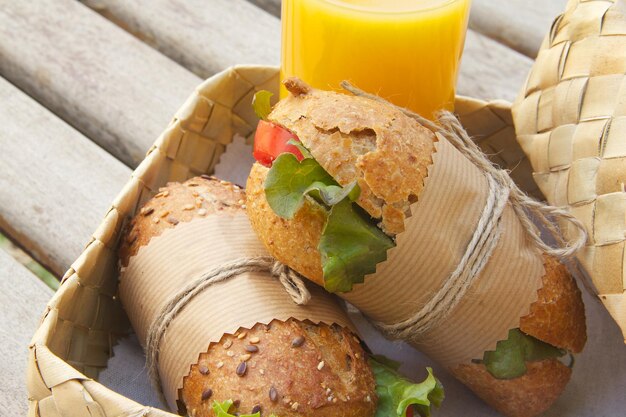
pixel 406 51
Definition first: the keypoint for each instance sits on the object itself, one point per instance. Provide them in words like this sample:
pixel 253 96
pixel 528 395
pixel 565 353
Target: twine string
pixel 291 281
pixel 502 192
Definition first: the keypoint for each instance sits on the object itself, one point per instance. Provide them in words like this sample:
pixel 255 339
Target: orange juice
pixel 406 51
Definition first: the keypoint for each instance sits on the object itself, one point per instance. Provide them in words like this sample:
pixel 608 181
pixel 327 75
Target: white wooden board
pixel 55 184
pixel 105 82
pixel 519 24
pixel 22 301
pixel 203 36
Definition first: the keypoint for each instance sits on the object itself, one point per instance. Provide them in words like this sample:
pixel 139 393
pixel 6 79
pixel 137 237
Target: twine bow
pixel 502 191
pixel 288 278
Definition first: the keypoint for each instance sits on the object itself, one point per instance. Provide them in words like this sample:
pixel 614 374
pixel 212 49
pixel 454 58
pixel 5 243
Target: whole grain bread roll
pixel 293 368
pixel 395 145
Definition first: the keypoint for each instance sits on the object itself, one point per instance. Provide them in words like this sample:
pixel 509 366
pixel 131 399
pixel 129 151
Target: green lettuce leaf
pixel 396 393
pixel 221 410
pixel 303 150
pixel 509 359
pixel 261 104
pixel 351 245
pixel 291 181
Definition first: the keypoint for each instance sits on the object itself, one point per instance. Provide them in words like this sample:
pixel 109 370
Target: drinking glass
pixel 406 51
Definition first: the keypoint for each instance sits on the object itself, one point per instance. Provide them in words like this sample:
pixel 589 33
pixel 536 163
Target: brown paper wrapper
pixel 570 119
pixel 182 254
pixel 436 234
pixel 84 318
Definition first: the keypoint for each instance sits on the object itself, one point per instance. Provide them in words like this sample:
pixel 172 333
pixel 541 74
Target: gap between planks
pixel 518 24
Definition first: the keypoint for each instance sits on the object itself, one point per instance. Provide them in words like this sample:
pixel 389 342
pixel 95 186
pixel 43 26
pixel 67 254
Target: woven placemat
pixel 571 122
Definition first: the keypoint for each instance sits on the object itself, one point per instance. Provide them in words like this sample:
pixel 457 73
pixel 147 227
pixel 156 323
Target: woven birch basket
pixel 571 122
pixel 84 319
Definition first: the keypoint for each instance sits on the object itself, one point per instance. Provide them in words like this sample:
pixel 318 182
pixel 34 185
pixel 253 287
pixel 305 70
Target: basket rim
pixel 48 374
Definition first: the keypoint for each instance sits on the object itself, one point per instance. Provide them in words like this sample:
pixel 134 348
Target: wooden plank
pixel 489 70
pixel 270 6
pixel 22 301
pixel 203 36
pixel 55 184
pixel 99 78
pixel 519 24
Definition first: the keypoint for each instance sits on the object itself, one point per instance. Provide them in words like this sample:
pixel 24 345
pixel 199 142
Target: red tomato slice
pixel 270 140
pixel 409 411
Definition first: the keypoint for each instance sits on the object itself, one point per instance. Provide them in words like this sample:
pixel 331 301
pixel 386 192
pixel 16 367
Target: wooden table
pixel 85 89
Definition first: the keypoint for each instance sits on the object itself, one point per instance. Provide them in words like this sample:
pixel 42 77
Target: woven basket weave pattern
pixel 84 319
pixel 571 122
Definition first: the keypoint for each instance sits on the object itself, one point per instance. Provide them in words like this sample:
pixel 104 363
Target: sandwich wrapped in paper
pixel 222 333
pixel 570 119
pixel 420 233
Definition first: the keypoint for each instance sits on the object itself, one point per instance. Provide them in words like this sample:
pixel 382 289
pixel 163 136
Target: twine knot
pixel 291 281
pixel 502 192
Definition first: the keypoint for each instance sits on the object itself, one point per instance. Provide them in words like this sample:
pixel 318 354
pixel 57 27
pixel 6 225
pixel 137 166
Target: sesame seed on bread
pixel 295 369
pixel 179 202
pixel 342 132
pixel 557 316
pixel 324 373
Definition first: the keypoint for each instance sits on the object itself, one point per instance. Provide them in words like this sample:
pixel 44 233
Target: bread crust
pixel 179 203
pixel 335 128
pixel 293 242
pixel 340 387
pixel 303 386
pixel 358 139
pixel 558 315
pixel 526 396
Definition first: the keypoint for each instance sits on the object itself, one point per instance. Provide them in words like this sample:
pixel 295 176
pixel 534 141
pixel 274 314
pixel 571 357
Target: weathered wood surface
pixel 519 24
pixel 22 301
pixel 489 70
pixel 108 84
pixel 203 36
pixel 55 184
